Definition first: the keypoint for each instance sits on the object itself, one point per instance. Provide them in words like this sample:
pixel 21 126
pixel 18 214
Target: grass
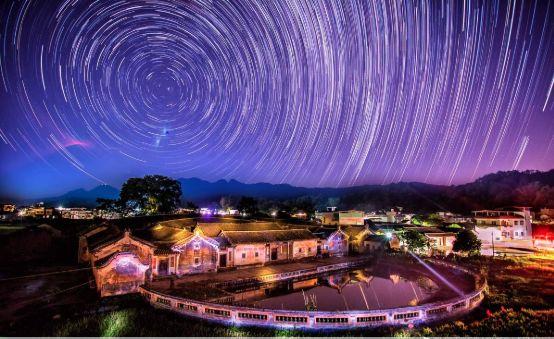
pixel 519 303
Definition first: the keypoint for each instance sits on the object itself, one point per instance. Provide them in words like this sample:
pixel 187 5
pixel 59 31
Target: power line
pixel 45 274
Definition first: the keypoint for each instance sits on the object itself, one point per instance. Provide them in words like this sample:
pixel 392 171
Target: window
pixel 282 318
pixel 331 320
pixel 475 298
pixel 219 313
pixel 196 261
pixel 196 253
pixel 374 318
pixel 458 305
pixel 309 249
pixel 300 250
pixel 437 311
pixel 186 307
pixel 252 316
pixel 243 255
pixel 163 301
pixel 522 233
pixel 256 254
pixel 406 315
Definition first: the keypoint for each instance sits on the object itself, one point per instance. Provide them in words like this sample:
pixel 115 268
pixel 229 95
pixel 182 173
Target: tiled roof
pixel 104 261
pixel 162 234
pixel 324 232
pixel 184 223
pixel 213 229
pixel 109 235
pixel 266 236
pixel 222 242
pixel 354 231
pixel 164 250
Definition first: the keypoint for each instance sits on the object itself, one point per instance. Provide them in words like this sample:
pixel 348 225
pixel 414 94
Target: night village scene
pixel 277 168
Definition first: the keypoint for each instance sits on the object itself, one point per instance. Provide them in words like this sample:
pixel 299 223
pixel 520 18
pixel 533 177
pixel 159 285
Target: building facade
pixel 503 224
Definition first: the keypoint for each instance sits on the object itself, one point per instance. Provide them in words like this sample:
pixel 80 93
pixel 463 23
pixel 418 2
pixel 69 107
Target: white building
pixel 503 224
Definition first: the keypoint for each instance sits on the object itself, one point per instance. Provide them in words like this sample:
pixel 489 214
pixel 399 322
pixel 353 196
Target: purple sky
pixel 311 93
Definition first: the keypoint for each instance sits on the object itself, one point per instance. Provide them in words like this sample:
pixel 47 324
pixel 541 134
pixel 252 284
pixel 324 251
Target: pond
pixel 366 288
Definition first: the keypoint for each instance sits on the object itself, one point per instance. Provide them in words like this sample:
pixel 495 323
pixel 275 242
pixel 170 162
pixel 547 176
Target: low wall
pixel 238 315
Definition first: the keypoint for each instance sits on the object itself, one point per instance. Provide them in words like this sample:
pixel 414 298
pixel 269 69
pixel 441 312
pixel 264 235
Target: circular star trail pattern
pixel 316 93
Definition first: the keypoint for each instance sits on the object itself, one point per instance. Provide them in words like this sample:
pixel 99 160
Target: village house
pixel 123 260
pixel 440 242
pixel 344 218
pixel 358 239
pixel 505 224
pixel 332 242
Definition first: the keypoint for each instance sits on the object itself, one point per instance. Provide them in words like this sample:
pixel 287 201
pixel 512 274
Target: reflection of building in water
pixel 338 281
pixel 363 276
pixel 395 278
pixel 304 284
pixel 427 284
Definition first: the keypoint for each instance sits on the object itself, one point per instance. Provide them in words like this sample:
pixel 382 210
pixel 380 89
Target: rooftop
pixel 266 236
pixel 212 230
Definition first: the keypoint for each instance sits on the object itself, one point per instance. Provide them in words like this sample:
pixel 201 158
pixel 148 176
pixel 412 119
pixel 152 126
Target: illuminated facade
pixel 503 224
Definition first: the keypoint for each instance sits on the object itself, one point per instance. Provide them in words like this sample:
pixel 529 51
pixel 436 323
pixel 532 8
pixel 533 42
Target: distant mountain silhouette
pixel 530 188
pixel 83 198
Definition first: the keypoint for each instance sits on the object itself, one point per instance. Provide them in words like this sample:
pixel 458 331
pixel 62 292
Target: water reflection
pixel 360 289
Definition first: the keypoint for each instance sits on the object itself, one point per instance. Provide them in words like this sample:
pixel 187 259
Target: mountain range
pixel 530 188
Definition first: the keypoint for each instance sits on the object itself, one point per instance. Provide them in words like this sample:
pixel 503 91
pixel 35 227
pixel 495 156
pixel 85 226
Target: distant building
pixel 7 208
pixel 503 224
pixel 345 218
pixel 332 242
pixel 80 213
pixel 546 213
pixel 440 242
pixel 36 211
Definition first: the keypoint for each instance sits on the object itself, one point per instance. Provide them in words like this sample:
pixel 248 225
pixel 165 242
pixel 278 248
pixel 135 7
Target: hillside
pixel 529 188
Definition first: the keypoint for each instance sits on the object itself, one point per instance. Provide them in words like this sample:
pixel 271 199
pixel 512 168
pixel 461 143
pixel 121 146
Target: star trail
pixel 311 93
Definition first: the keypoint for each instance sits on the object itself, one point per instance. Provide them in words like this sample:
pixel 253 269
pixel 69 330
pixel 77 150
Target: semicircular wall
pixel 239 315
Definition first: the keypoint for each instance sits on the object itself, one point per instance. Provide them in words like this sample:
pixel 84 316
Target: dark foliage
pixel 150 195
pixel 467 242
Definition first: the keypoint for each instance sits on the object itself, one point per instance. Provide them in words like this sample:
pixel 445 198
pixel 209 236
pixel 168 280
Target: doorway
pixel 163 267
pixel 223 260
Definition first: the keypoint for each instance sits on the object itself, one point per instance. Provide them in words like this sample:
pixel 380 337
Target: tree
pixel 150 195
pixel 108 205
pixel 248 205
pixel 415 241
pixel 467 242
pixel 191 205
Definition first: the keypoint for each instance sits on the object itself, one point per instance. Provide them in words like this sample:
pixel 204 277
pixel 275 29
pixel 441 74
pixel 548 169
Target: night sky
pixel 311 93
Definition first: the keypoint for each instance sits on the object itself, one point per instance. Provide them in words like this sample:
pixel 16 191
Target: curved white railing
pixel 239 315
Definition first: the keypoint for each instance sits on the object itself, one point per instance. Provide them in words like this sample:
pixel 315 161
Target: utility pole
pixel 492 237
